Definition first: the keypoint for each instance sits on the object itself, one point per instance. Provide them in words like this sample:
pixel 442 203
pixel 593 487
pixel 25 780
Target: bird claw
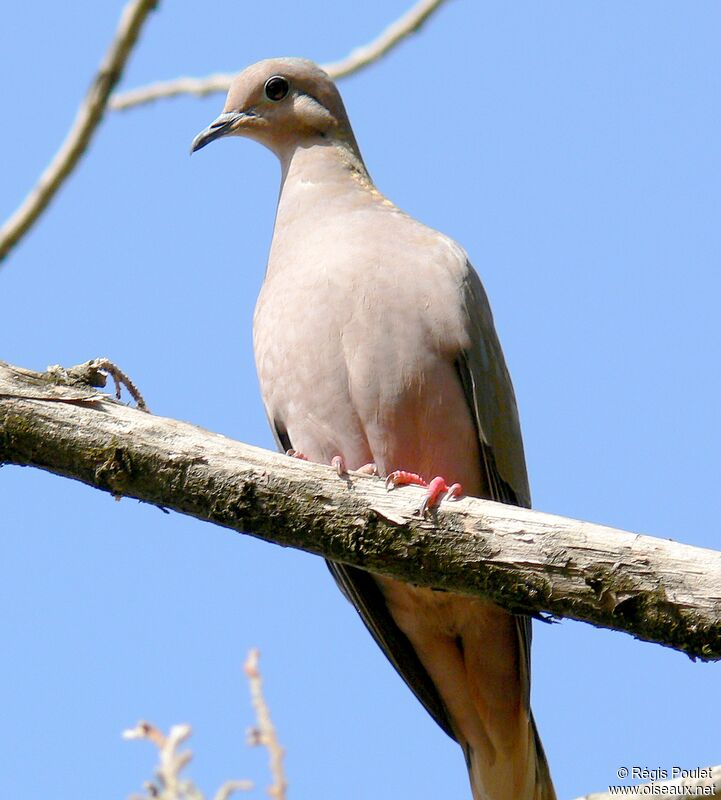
pixel 402 478
pixel 339 463
pixel 439 490
pixel 436 490
pixel 296 454
pixel 368 469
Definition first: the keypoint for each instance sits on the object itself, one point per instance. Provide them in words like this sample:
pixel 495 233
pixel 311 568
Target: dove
pixel 376 349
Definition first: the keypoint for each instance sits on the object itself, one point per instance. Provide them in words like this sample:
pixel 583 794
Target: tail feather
pixel 524 777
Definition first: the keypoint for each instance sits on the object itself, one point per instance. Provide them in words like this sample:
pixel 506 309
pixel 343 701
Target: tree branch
pixel 86 121
pixel 264 733
pixel 658 590
pixel 360 57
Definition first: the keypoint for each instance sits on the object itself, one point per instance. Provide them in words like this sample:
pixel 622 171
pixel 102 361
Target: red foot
pixel 402 478
pixel 437 489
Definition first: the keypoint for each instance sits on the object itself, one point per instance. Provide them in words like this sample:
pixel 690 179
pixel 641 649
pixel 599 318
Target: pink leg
pixel 437 489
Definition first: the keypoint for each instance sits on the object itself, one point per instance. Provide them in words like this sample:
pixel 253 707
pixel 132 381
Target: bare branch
pixel 360 57
pixel 171 785
pixel 265 733
pixel 524 560
pixel 94 373
pixel 231 787
pixel 698 782
pixel 120 379
pixel 363 56
pixel 162 90
pixel 86 121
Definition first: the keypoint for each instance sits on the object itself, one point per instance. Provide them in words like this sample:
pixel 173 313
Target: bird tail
pixel 527 778
pixel 544 785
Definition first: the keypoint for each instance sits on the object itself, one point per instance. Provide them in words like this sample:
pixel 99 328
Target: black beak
pixel 219 127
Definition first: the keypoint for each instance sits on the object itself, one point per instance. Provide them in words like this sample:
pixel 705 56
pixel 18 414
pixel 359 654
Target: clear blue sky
pixel 573 148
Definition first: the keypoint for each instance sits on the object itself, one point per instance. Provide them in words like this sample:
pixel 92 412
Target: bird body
pixel 345 318
pixel 374 341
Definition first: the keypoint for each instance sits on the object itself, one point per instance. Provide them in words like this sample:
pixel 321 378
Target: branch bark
pixel 360 57
pixel 86 121
pixel 658 590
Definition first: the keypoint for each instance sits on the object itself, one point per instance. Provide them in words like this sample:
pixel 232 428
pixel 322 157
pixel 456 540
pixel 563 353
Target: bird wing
pixel 363 592
pixel 490 396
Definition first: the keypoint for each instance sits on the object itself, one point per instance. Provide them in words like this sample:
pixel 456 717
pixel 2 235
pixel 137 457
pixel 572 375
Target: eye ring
pixel 276 88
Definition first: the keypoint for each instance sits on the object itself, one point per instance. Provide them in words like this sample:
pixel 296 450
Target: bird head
pixel 282 103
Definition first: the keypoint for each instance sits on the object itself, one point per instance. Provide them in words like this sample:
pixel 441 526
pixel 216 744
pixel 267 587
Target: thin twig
pixel 86 121
pixel 120 379
pixel 230 787
pixel 95 373
pixel 170 784
pixel 265 733
pixel 360 57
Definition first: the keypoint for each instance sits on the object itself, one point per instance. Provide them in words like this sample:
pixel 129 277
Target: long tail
pixel 528 778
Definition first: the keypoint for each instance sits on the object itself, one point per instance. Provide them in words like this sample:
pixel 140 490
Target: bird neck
pixel 321 182
pixel 325 164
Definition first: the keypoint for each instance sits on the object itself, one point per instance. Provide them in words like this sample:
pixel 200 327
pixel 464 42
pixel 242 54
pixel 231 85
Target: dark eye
pixel 276 88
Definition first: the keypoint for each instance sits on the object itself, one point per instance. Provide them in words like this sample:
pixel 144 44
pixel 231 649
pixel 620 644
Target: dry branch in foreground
pixel 658 590
pixel 360 57
pixel 170 784
pixel 264 733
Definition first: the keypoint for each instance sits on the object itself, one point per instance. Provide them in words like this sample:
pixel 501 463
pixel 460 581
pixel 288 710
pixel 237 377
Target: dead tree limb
pixel 658 590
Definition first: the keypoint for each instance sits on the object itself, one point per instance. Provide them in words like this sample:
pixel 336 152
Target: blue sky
pixel 573 148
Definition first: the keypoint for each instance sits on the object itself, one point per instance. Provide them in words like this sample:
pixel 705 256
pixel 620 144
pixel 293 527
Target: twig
pixel 265 733
pixel 86 121
pixel 230 787
pixel 170 784
pixel 95 373
pixel 360 57
pixel 120 379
